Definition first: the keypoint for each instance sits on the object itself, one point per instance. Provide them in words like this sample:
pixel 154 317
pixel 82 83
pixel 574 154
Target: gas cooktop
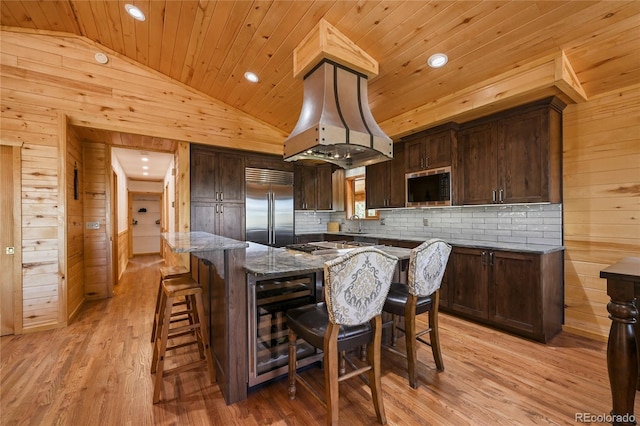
pixel 328 247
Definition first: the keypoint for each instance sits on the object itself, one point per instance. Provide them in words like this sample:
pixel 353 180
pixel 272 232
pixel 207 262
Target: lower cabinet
pixel 518 292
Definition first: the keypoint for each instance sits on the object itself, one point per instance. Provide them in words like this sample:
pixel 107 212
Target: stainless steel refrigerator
pixel 269 207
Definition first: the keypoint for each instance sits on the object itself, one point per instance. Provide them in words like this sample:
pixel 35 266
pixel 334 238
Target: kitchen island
pixel 227 269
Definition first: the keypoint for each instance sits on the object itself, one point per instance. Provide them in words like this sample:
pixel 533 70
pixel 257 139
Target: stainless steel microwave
pixel 429 187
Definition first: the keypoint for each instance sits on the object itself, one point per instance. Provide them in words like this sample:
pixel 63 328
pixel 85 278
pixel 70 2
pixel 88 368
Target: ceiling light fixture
pixel 145 158
pixel 101 58
pixel 251 77
pixel 145 174
pixel 135 12
pixel 437 60
pixel 145 167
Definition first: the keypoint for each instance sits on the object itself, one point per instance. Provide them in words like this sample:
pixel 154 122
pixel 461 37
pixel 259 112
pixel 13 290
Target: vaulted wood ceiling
pixel 209 45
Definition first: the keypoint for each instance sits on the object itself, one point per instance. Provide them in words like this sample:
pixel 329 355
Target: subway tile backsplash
pixel 514 223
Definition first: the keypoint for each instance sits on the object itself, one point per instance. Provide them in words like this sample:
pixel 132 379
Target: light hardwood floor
pixel 96 372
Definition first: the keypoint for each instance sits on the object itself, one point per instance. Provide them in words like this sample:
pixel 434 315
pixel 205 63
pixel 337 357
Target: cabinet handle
pixel 493 196
pixel 221 208
pixel 216 208
pixel 216 195
pixel 491 258
pixel 426 163
pixel 221 195
pixel 500 198
pixel 484 258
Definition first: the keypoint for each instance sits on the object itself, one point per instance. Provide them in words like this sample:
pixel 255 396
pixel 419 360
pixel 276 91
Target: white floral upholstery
pixel 426 267
pixel 357 284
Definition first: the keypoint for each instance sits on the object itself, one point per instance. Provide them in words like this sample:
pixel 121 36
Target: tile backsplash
pixel 513 223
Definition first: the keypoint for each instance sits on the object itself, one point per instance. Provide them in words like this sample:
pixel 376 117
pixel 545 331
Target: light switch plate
pixel 93 225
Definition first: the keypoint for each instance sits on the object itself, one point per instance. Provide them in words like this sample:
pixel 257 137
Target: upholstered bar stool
pixel 356 285
pixel 194 332
pixel 427 265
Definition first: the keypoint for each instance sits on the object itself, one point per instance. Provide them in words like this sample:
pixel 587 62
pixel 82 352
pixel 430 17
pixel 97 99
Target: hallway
pixel 96 372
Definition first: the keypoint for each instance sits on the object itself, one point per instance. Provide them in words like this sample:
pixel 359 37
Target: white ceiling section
pixel 132 163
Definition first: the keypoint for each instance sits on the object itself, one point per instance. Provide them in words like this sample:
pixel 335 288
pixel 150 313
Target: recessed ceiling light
pixel 145 174
pixel 135 12
pixel 437 60
pixel 145 167
pixel 145 159
pixel 101 58
pixel 251 77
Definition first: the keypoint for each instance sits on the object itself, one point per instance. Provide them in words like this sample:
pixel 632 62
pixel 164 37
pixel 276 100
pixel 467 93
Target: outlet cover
pixel 93 225
pixel 425 221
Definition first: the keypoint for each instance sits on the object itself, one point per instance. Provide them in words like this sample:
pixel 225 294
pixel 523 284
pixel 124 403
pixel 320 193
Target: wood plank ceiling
pixel 208 45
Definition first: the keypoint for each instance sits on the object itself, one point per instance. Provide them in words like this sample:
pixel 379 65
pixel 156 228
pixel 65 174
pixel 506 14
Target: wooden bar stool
pixel 166 272
pixel 172 290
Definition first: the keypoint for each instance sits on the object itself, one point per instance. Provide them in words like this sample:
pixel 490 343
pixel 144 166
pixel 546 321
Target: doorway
pixel 11 237
pixel 145 211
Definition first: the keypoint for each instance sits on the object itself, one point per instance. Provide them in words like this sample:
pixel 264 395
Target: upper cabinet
pixel 385 182
pixel 217 192
pixel 313 187
pixel 429 149
pixel 513 157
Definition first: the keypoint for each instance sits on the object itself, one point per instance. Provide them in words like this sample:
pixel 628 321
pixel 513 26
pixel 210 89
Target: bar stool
pixel 166 272
pixel 173 289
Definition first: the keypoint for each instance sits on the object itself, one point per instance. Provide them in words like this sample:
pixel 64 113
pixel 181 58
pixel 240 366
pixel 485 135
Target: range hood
pixel 336 124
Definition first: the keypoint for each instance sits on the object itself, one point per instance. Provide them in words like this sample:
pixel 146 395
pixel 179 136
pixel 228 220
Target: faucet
pixel 354 217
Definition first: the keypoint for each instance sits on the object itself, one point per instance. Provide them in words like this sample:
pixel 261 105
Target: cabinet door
pixel 204 185
pixel 414 154
pixel 324 188
pixel 231 221
pixel 396 195
pixel 523 157
pixel 438 150
pixel 304 188
pixel 479 164
pixel 445 287
pixel 515 291
pixel 231 178
pixel 468 283
pixel 203 217
pixel 376 185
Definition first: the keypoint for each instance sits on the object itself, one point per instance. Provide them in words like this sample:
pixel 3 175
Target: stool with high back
pixel 427 264
pixel 356 285
pixel 194 332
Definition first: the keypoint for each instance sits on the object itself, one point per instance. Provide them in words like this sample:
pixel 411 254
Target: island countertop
pixel 187 242
pixel 262 260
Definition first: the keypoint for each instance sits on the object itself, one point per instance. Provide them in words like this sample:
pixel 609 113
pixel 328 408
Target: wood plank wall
pixel 123 251
pixel 97 162
pixel 75 226
pixel 601 202
pixel 43 76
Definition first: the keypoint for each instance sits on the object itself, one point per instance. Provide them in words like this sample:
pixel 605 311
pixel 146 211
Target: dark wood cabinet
pixel 469 282
pixel 217 192
pixel 518 292
pixel 479 170
pixel 429 149
pixel 313 187
pixel 385 182
pixel 513 157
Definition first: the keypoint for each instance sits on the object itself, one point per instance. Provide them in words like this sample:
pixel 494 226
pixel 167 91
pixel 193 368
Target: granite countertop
pixel 504 246
pixel 187 242
pixel 262 260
